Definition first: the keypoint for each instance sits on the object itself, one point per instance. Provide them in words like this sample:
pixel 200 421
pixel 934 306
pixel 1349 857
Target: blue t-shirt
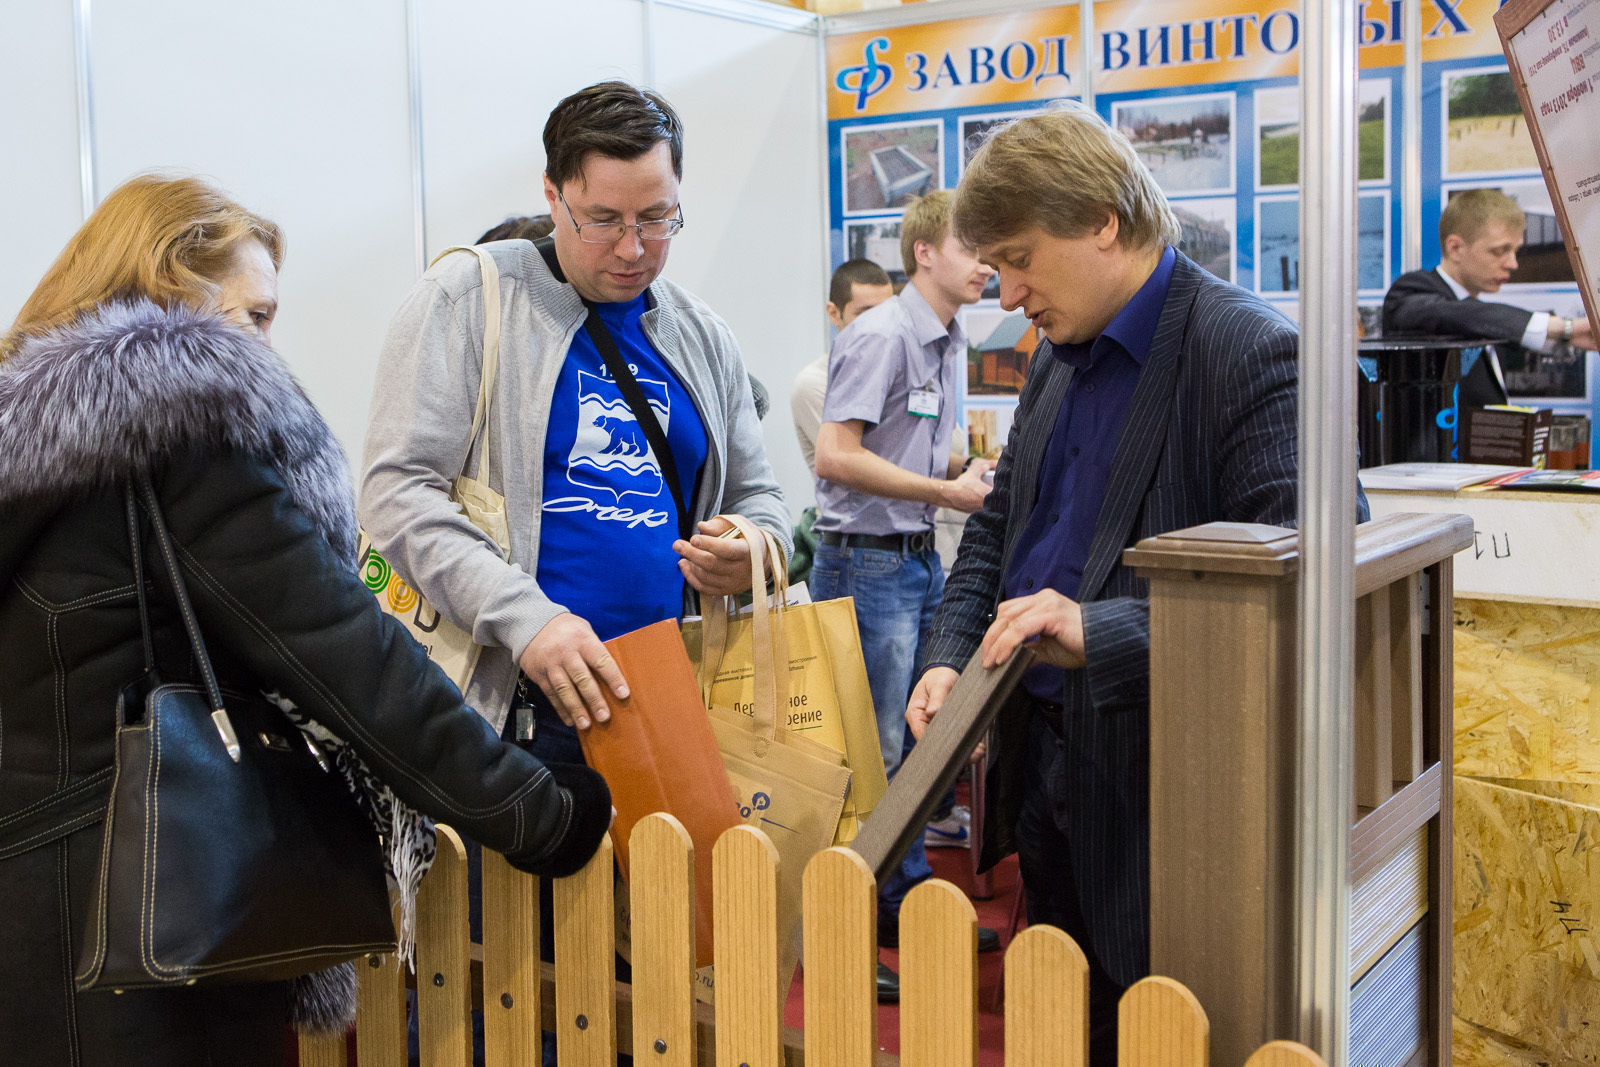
pixel 605 541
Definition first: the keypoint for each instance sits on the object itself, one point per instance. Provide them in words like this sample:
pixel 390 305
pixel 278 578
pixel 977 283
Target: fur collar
pixel 128 386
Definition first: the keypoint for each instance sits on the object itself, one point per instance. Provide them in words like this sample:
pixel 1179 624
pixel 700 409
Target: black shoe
pixel 888 985
pixel 889 934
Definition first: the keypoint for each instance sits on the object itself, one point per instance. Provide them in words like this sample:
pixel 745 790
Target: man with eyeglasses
pixel 600 543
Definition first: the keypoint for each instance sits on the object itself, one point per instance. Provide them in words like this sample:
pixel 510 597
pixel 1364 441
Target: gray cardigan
pixel 427 388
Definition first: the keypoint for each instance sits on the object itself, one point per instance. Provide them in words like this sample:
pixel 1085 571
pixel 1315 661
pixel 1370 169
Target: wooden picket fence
pixel 657 1020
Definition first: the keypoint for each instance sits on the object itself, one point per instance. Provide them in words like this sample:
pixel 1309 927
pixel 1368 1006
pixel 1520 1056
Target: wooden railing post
pixel 938 977
pixel 662 862
pixel 1284 1054
pixel 444 975
pixel 325 1051
pixel 511 980
pixel 380 1012
pixel 1047 1000
pixel 841 948
pixel 1161 1024
pixel 1222 772
pixel 585 951
pixel 745 910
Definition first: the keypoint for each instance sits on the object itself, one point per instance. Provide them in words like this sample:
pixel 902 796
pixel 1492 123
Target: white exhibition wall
pixel 302 111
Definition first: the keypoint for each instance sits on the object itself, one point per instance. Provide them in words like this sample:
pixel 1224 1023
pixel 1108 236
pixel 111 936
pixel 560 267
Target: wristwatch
pixel 1566 330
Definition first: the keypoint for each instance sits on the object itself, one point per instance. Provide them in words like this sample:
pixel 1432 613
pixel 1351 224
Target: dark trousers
pixel 1045 855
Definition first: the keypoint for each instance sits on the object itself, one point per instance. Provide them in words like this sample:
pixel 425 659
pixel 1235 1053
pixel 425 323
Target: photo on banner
pixel 1542 259
pixel 1000 348
pixel 1210 226
pixel 879 241
pixel 1484 129
pixel 885 166
pixel 1278 243
pixel 988 426
pixel 975 130
pixel 1278 133
pixel 1186 141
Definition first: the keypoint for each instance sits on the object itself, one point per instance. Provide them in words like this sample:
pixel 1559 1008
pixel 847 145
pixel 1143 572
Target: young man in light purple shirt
pixel 884 465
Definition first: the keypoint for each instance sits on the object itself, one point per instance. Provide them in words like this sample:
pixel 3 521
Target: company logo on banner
pixel 1143 44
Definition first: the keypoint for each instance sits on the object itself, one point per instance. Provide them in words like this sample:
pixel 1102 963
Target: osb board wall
pixel 1478 1046
pixel 1526 945
pixel 1527 691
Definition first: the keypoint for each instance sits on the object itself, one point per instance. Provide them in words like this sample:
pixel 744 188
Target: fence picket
pixel 841 916
pixel 511 980
pixel 1047 1000
pixel 381 1011
pixel 444 977
pixel 938 977
pixel 745 911
pixel 585 951
pixel 661 858
pixel 322 1051
pixel 1161 1024
pixel 1284 1054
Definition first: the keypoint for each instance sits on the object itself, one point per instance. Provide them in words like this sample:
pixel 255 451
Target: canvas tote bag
pixel 830 699
pixel 449 646
pixel 790 787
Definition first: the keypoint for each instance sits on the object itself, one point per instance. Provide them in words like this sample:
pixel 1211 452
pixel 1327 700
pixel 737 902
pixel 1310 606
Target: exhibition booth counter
pixel 1527 763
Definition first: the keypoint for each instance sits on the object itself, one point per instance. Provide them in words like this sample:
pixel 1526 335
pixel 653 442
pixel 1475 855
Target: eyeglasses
pixel 609 233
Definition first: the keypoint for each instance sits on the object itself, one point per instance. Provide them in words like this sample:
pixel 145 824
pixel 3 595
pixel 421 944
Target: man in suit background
pixel 1480 232
pixel 1161 398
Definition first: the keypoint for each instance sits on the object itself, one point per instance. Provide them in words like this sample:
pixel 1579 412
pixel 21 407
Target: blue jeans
pixel 896 594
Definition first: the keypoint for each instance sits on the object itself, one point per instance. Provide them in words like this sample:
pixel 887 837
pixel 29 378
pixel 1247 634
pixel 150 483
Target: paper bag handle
pixel 769 644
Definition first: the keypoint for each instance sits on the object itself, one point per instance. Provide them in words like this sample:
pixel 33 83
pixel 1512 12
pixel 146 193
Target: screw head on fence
pixel 438 979
pixel 374 961
pixel 660 1045
pixel 583 1022
pixel 505 1000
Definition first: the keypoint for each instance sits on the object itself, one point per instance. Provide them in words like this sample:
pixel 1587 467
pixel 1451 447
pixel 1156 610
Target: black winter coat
pixel 256 493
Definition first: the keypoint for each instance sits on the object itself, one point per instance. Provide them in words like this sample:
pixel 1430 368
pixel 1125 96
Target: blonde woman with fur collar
pixel 144 351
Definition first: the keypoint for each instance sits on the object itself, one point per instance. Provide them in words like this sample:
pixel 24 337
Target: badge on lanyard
pixel 924 403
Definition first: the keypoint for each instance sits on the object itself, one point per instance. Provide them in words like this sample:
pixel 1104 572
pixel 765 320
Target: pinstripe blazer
pixel 1211 435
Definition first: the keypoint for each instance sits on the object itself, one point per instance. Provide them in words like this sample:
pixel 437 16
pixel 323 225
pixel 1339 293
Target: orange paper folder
pixel 657 753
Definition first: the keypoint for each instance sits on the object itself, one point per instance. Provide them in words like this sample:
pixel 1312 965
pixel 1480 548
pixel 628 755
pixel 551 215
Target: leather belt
pixel 1052 713
pixel 921 541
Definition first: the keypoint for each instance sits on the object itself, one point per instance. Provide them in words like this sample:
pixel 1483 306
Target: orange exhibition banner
pixel 1142 44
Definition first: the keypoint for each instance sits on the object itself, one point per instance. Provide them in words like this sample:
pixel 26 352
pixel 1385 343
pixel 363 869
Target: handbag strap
pixel 191 626
pixel 136 542
pixel 631 391
pixel 491 351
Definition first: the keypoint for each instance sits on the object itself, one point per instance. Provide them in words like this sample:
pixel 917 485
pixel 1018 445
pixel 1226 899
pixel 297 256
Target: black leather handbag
pixel 233 850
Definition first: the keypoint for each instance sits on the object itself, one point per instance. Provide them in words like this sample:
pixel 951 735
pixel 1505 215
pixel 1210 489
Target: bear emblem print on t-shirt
pixel 609 451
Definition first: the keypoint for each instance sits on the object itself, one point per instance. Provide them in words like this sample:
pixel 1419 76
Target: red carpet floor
pixel 955 866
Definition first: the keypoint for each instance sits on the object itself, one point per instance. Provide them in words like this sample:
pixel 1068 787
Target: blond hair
pixel 927 218
pixel 169 240
pixel 1468 214
pixel 1065 171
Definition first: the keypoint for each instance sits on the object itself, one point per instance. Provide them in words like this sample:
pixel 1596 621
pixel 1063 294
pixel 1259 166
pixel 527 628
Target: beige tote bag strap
pixel 715 611
pixel 769 645
pixel 491 351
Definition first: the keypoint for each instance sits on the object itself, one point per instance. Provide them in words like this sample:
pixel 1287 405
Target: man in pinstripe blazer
pixel 1162 398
